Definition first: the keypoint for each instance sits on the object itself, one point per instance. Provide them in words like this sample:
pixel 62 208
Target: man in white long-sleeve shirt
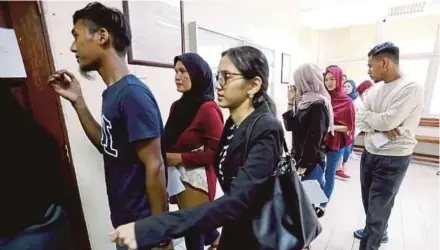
pixel 392 108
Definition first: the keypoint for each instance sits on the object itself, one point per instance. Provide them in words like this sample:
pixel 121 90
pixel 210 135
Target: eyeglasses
pixel 223 77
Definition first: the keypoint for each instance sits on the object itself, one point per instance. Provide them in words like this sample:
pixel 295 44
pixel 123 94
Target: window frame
pixel 195 29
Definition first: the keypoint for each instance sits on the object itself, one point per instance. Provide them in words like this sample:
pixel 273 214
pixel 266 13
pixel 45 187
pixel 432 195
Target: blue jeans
pixel 347 152
pixel 381 177
pixel 316 174
pixel 333 158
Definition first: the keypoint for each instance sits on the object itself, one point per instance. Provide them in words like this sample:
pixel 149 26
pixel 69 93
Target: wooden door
pixel 35 95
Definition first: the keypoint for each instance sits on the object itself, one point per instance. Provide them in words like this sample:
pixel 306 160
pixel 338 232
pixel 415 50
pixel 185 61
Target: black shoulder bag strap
pixel 249 133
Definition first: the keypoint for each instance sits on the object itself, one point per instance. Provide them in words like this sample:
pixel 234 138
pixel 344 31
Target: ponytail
pixel 271 104
pixel 265 99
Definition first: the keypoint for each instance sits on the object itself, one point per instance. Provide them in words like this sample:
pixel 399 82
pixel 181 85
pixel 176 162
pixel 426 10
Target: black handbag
pixel 287 220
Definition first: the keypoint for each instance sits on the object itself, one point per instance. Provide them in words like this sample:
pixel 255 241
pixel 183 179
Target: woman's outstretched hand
pixel 125 236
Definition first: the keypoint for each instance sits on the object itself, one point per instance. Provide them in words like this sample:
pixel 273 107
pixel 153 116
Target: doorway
pixel 35 96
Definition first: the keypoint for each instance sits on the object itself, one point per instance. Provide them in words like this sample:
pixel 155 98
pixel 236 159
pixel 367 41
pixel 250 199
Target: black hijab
pixel 186 108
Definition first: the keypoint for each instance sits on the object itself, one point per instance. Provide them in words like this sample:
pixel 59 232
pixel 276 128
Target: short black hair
pixel 385 50
pixel 113 20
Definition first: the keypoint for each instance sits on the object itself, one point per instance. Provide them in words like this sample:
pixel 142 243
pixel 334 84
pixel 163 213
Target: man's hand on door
pixel 66 85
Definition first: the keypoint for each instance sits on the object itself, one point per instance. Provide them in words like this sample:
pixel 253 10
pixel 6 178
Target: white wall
pixel 328 14
pixel 249 19
pixel 348 48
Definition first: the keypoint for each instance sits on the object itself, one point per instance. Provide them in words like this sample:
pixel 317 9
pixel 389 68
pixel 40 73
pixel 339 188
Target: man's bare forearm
pixel 340 128
pixel 156 189
pixel 89 124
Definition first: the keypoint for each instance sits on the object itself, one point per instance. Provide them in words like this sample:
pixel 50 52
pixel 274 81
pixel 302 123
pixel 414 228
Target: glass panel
pixel 210 45
pixel 157 38
pixel 398 32
pixel 415 69
pixel 434 108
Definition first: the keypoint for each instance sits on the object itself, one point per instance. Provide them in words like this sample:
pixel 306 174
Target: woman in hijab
pixel 350 90
pixel 309 120
pixel 343 125
pixel 363 88
pixel 192 135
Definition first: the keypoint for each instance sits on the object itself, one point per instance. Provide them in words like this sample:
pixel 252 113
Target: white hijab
pixel 308 79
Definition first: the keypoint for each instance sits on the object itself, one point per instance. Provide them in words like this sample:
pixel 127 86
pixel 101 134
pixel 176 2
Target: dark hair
pixel 251 62
pixel 99 16
pixel 385 50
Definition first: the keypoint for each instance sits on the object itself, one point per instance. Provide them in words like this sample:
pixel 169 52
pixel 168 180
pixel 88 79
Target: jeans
pixel 52 234
pixel 333 158
pixel 347 152
pixel 381 177
pixel 316 174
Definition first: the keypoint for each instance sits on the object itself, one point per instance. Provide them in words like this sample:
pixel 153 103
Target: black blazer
pixel 244 193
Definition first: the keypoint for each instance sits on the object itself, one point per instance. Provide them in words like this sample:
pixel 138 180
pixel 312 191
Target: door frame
pixel 28 22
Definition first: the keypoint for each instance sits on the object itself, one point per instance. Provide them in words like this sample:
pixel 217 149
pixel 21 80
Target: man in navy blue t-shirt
pixel 130 115
pixel 131 132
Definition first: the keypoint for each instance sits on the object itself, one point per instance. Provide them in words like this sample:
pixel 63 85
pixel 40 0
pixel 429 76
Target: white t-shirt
pixel 388 106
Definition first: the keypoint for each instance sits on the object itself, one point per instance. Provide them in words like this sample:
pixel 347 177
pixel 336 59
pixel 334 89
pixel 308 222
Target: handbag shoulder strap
pixel 249 133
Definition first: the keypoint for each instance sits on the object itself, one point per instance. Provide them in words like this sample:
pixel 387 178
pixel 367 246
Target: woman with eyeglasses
pixel 192 135
pixel 343 126
pixel 242 85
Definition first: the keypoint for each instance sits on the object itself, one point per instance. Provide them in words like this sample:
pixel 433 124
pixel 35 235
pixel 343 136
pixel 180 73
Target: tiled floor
pixel 414 223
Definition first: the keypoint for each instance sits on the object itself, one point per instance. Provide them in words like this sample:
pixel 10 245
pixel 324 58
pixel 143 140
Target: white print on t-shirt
pixel 106 137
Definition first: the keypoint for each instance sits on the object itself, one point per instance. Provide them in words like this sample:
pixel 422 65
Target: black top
pixel 309 127
pixel 244 189
pixel 30 165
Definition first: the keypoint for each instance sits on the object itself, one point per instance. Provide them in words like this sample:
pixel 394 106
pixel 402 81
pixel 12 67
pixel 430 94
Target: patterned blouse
pixel 224 150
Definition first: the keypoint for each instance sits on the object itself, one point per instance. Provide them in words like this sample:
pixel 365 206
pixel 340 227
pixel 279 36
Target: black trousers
pixel 381 177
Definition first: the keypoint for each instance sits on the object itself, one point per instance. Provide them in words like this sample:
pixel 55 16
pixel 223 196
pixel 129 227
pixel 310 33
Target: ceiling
pixel 327 14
